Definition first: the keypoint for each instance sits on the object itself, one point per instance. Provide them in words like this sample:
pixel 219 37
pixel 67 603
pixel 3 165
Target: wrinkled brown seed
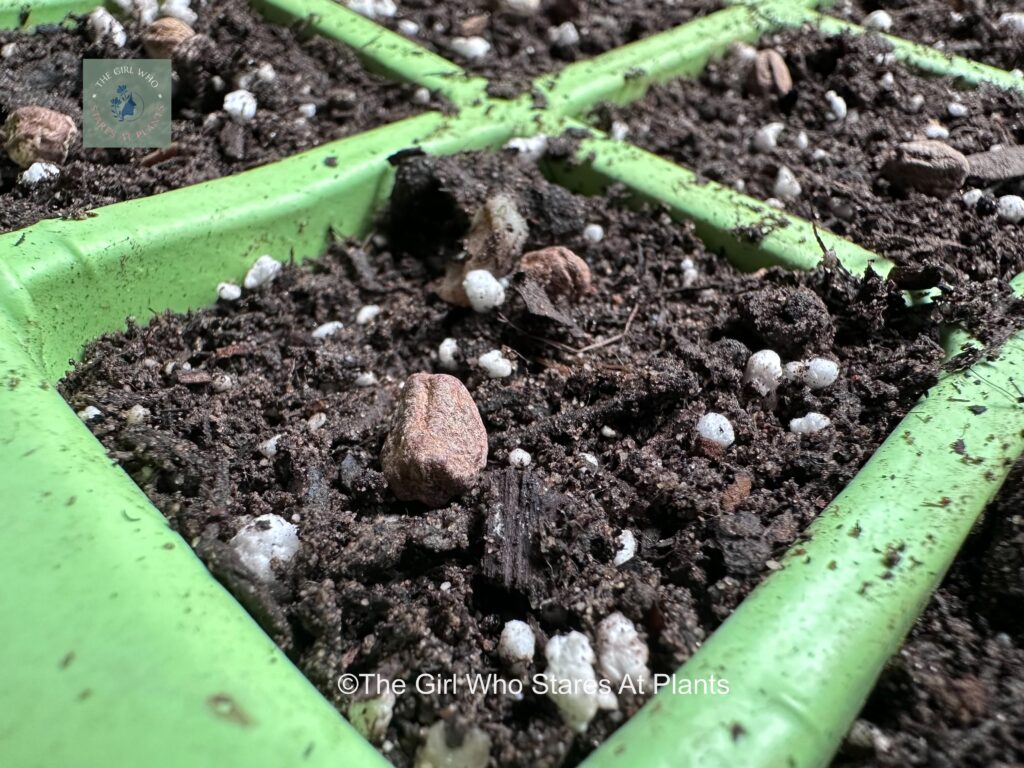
pixel 164 35
pixel 38 134
pixel 561 272
pixel 927 166
pixel 769 75
pixel 437 444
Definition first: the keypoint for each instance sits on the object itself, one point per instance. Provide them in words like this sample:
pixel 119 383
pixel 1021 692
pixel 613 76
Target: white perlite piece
pixel 880 21
pixel 619 130
pixel 38 172
pixel 571 682
pixel 269 447
pixel 593 233
pixel 957 109
pixel 621 653
pixel 786 186
pixel 820 372
pixel 690 273
pixel 517 643
pixel 767 137
pixel 473 752
pixel 608 432
pixel 371 717
pixel 971 197
pixel 627 548
pixel 887 81
pixel 564 35
pixel 327 329
pixel 523 7
pixel 1010 208
pixel 471 48
pixel 308 110
pixel 763 372
pixel 483 290
pixel 222 383
pixel 421 96
pixel 717 429
pixel 179 9
pixel 836 106
pixel 367 314
pixel 517 457
pixel 447 354
pixel 916 103
pixel 591 460
pixel 1012 21
pixel 408 27
pixel 936 131
pixel 101 24
pixel 495 364
pixel 89 413
pixel 136 415
pixel 262 272
pixel 229 291
pixel 530 149
pixel 264 540
pixel 373 9
pixel 812 422
pixel 317 420
pixel 7 50
pixel 240 105
pixel 367 379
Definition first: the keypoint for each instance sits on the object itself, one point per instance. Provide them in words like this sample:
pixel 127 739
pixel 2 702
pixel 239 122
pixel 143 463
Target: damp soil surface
pixel 45 69
pixel 708 124
pixel 526 45
pixel 970 28
pixel 605 398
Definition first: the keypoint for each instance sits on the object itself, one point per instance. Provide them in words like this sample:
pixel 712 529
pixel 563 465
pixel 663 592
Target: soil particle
pixel 387 587
pixel 46 70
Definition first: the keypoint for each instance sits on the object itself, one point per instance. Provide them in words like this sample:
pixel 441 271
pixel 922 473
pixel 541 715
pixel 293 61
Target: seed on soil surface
pixel 327 329
pixel 240 106
pixel 716 429
pixel 37 134
pixel 1010 208
pixel 786 186
pixel 263 272
pixel 373 9
pixel 571 681
pixel 229 291
pixel 809 424
pixel 879 20
pixel 367 313
pixel 483 290
pixel 163 36
pixel 472 48
pixel 179 9
pixel 593 233
pixel 836 106
pixel 495 364
pixel 37 173
pixel 519 458
pixel 627 548
pixel 767 137
pixel 136 415
pixel 442 748
pixel 366 379
pixel 447 354
pixel 769 75
pixel 559 271
pixel 763 372
pixel 262 541
pixel 820 373
pixel 621 653
pixel 517 644
pixel 269 447
pixel 372 716
pixel 565 35
pixel 89 413
pixel 102 25
pixel 437 444
pixel 931 167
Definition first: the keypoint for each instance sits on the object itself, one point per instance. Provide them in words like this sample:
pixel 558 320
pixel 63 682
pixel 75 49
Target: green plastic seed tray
pixel 121 649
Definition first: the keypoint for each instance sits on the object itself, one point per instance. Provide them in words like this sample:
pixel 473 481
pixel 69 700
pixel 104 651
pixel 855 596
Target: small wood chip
pixel 1002 165
pixel 194 377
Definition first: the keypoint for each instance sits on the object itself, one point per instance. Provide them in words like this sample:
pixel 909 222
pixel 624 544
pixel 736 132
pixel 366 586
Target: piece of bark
pixel 519 508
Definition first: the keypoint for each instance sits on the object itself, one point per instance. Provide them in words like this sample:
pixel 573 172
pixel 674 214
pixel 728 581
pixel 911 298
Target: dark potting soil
pixel 968 28
pixel 522 46
pixel 708 124
pixel 605 402
pixel 45 69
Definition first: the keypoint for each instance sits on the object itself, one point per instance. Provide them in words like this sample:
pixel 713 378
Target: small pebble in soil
pixel 716 429
pixel 36 134
pixel 366 379
pixel 327 329
pixel 820 372
pixel 621 653
pixel 879 20
pixel 471 48
pixel 102 25
pixel 519 458
pixel 530 148
pixel 136 415
pixel 262 541
pixel 767 137
pixel 627 548
pixel 89 413
pixel 367 314
pixel 229 291
pixel 372 716
pixel 495 364
pixel 448 354
pixel 971 197
pixel 836 106
pixel 809 424
pixel 483 290
pixel 957 109
pixel 373 9
pixel 593 233
pixel 263 272
pixel 269 446
pixel 37 173
pixel 163 36
pixel 763 372
pixel 517 643
pixel 437 444
pixel 571 681
pixel 786 186
pixel 240 106
pixel 559 271
pixel 442 750
pixel 1010 208
pixel 565 35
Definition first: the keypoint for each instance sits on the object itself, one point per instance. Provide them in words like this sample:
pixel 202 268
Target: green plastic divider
pixel 18 14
